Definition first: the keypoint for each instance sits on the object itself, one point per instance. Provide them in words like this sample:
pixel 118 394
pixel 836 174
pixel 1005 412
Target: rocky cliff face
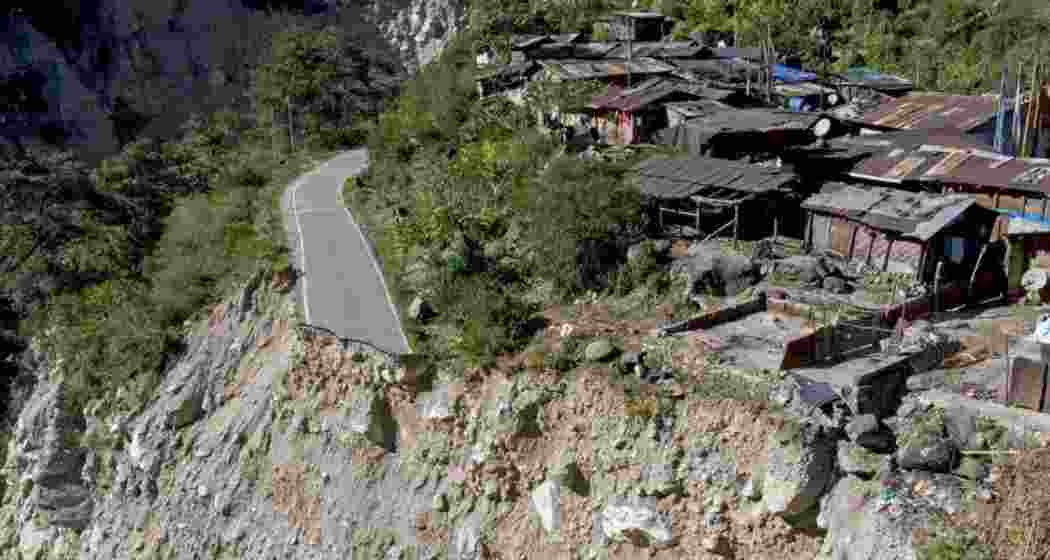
pixel 102 62
pixel 229 459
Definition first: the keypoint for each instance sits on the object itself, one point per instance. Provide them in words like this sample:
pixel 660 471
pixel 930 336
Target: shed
pixel 638 26
pixel 975 114
pixel 725 132
pixel 628 116
pixel 700 187
pixel 899 231
pixel 949 161
pixel 509 80
pixel 1028 237
pixel 859 78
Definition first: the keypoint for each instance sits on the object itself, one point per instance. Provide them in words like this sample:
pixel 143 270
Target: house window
pixel 955 249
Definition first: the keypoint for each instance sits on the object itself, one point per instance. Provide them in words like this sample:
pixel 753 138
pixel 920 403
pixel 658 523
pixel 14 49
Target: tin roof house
pixel 891 230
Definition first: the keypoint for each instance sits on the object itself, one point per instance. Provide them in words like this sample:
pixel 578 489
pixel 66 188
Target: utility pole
pixel 630 50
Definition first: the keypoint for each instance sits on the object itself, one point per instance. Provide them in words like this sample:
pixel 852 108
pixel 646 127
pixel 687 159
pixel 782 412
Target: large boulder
pixel 599 350
pixel 636 520
pixel 595 259
pixel 708 271
pixel 546 502
pixel 800 466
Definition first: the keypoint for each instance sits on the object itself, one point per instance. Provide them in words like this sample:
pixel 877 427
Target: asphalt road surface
pixel 342 288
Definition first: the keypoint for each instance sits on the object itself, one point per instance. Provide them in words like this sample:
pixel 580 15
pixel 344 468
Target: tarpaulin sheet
pixel 690 138
pixel 789 75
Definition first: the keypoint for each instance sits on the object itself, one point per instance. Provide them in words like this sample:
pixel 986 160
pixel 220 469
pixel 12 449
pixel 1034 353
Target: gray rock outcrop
pixel 636 520
pixel 800 466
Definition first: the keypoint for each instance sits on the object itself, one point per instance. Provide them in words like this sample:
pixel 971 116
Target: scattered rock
pixel 711 273
pixel 925 381
pixel 856 460
pixel 876 521
pixel 420 310
pixel 929 452
pixel 436 404
pixel 836 285
pixel 865 430
pixel 466 539
pixel 599 350
pixel 961 426
pixel 370 416
pixel 188 407
pixel 636 520
pixel 631 359
pixel 800 467
pixel 545 501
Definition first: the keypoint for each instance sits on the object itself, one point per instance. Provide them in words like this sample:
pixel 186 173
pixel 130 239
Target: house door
pixel 820 234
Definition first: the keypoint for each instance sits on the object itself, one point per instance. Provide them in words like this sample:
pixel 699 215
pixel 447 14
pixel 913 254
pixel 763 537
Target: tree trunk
pixel 291 130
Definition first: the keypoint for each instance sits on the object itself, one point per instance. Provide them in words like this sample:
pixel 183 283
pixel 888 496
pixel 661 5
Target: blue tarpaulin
pixel 789 75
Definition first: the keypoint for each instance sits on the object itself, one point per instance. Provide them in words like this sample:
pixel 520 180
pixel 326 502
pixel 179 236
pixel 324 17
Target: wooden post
pixel 1043 214
pixel 776 227
pixel 852 242
pixel 808 244
pixel 976 267
pixel 886 258
pixel 698 218
pixel 937 286
pixel 736 225
pixel 871 247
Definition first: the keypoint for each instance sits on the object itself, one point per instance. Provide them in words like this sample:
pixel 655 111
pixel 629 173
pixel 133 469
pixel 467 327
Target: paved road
pixel 342 288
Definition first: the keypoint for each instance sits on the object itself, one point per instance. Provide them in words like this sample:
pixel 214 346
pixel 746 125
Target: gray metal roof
pixel 684 177
pixel 915 215
pixel 589 69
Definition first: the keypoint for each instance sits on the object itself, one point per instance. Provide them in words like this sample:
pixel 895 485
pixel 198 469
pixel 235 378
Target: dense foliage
pixel 103 266
pixel 948 45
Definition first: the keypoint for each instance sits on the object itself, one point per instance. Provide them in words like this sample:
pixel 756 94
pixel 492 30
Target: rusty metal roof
pixel 947 158
pixel 928 111
pixel 646 93
pixel 917 215
pixel 671 178
pixel 590 69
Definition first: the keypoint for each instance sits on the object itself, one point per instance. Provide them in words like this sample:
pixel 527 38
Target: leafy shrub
pixel 953 543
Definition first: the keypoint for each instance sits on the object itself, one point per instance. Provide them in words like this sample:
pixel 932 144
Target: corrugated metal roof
pixel 644 94
pixel 589 69
pixel 945 157
pixel 737 52
pixel 962 112
pixel 683 177
pixel 871 78
pixel 917 215
pixel 666 49
pixel 527 41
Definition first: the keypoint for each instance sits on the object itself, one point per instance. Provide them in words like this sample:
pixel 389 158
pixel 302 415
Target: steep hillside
pixel 105 71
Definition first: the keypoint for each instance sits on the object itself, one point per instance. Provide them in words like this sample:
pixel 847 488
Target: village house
pixel 710 196
pixel 891 230
pixel 632 115
pixel 972 114
pixel 722 131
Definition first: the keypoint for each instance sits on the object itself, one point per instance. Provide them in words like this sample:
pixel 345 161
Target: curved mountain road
pixel 342 287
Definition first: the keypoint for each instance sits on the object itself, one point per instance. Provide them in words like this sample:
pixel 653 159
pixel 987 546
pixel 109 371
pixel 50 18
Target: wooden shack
pixel 718 196
pixel 892 230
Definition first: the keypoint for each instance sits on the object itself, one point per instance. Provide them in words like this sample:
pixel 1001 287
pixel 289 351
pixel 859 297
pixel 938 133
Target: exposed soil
pixel 291 499
pixel 327 367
